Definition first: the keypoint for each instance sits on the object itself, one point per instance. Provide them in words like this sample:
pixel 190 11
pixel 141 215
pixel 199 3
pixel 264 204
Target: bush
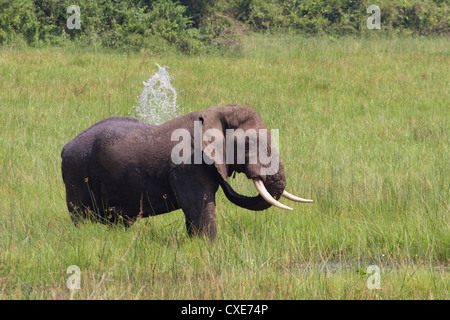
pixel 342 16
pixel 421 17
pixel 18 21
pixel 205 25
pixel 223 32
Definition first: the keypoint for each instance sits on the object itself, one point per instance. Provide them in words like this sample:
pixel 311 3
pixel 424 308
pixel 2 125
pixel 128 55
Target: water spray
pixel 158 101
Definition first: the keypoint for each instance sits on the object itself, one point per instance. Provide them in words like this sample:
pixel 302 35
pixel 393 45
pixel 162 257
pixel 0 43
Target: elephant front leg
pixel 195 193
pixel 201 218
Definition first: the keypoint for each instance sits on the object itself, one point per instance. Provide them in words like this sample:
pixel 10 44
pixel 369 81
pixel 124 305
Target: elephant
pixel 122 168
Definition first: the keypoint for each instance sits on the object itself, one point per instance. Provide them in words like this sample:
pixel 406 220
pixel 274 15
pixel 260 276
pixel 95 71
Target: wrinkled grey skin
pixel 121 168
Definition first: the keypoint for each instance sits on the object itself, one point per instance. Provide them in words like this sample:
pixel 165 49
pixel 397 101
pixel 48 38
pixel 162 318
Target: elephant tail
pixel 256 203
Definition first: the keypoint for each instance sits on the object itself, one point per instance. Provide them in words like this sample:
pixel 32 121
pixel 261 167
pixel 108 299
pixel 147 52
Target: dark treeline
pixel 193 26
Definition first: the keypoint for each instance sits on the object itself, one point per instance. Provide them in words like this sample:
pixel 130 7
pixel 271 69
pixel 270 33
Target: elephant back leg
pixel 82 194
pixel 84 202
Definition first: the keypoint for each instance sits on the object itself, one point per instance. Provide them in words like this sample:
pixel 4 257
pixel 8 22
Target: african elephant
pixel 122 168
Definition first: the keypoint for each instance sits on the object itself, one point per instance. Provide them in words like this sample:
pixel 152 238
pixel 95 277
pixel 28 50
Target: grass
pixel 364 131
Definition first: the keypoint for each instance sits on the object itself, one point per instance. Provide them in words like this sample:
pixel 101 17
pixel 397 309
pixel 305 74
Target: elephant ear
pixel 213 140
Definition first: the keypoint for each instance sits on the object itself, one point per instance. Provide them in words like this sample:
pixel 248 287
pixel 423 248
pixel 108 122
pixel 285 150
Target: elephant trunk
pixel 270 189
pixel 256 203
pixel 269 192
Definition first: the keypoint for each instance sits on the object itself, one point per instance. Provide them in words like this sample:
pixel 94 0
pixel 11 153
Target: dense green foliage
pixel 205 25
pixel 344 16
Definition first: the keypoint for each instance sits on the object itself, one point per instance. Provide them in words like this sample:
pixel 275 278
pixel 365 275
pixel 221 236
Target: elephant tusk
pixel 289 196
pixel 266 195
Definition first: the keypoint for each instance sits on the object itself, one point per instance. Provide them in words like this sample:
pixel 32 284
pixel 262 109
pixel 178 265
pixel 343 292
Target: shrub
pixel 342 16
pixel 421 17
pixel 194 26
pixel 18 21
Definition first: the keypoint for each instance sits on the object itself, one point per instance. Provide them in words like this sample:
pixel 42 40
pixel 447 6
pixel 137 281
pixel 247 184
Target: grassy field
pixel 364 131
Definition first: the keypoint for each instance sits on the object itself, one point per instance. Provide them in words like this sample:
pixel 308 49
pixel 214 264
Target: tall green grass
pixel 364 131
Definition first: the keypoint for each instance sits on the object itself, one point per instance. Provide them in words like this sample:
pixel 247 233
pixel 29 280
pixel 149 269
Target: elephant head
pixel 248 148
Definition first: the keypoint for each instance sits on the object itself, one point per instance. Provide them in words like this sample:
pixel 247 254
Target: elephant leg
pixel 195 194
pixel 75 205
pixel 83 201
pixel 201 218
